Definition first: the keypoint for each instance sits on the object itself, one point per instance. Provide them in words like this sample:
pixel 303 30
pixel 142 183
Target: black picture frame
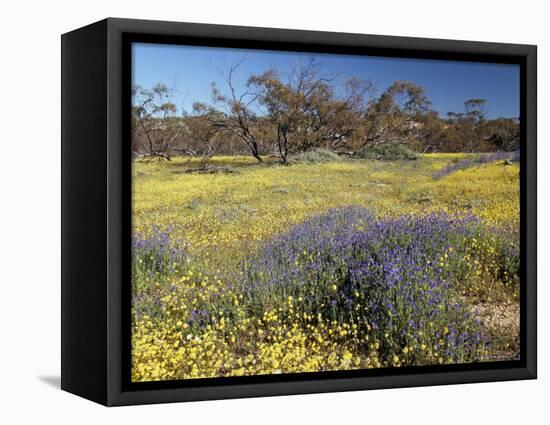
pixel 96 210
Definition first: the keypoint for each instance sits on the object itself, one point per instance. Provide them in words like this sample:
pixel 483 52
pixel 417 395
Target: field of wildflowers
pixel 346 264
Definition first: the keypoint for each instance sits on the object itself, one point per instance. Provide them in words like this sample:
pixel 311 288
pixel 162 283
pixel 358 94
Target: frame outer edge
pixel 115 208
pixel 83 252
pixel 531 205
pixel 116 27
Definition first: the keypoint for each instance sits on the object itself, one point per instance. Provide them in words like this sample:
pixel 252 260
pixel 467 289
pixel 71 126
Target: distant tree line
pixel 279 115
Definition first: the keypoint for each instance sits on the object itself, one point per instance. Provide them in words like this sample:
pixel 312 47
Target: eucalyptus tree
pixel 396 116
pixel 156 125
pixel 305 110
pixel 469 126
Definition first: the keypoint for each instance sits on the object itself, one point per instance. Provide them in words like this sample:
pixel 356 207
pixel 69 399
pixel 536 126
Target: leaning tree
pixel 237 111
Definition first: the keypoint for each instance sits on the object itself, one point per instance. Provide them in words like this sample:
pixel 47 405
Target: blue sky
pixel 191 70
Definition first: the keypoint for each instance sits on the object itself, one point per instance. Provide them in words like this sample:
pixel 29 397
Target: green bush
pixel 387 152
pixel 313 156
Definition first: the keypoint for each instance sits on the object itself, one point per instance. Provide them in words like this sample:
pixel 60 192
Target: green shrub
pixel 313 156
pixel 388 152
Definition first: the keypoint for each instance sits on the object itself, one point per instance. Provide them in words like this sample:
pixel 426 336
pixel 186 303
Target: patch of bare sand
pixel 500 328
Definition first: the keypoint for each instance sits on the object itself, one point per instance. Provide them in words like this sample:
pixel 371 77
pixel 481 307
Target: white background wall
pixel 30 210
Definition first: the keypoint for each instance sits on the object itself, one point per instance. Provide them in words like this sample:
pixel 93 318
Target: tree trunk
pixel 254 151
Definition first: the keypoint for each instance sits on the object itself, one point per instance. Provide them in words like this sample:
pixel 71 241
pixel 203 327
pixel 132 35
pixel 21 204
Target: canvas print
pixel 299 212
